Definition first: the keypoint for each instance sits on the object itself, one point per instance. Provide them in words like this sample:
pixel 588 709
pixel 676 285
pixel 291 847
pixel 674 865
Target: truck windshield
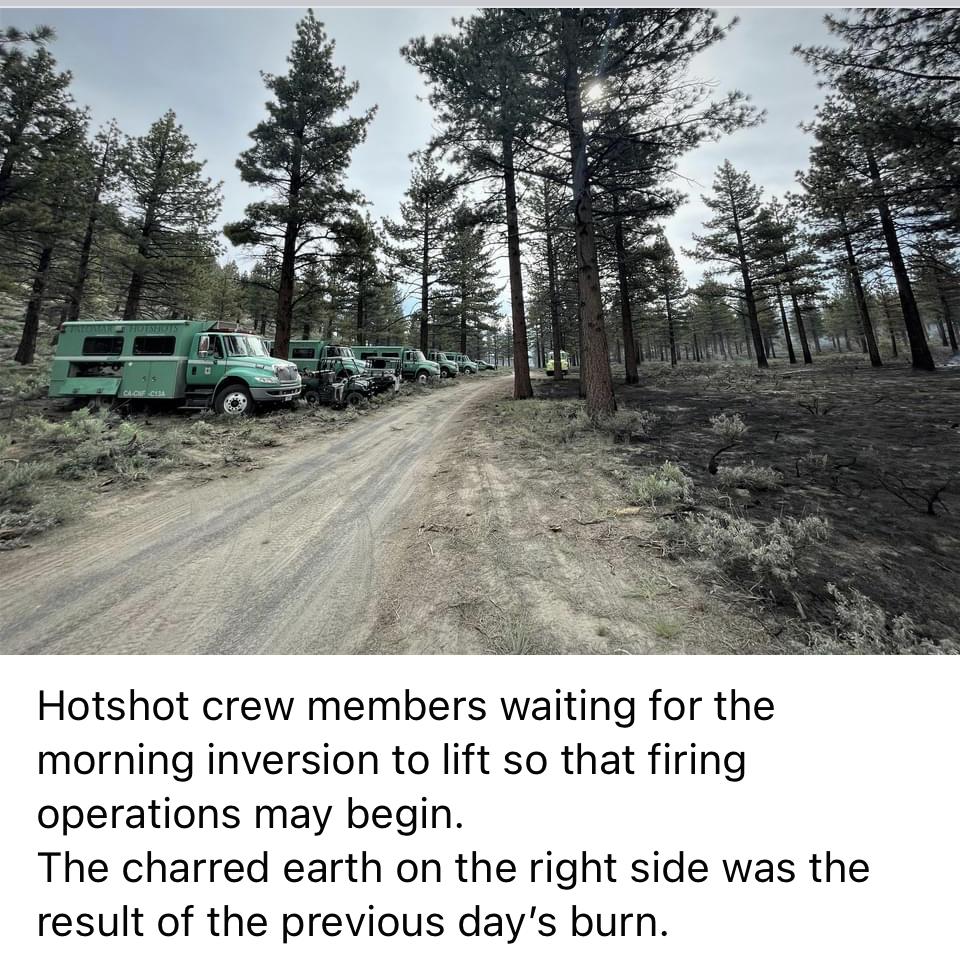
pixel 415 356
pixel 245 345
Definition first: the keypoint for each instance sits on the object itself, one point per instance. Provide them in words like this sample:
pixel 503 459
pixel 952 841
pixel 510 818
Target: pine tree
pixel 731 241
pixel 417 239
pixel 468 277
pixel 48 203
pixel 480 91
pixel 670 288
pixel 356 264
pixel 36 112
pixel 299 156
pixel 99 183
pixel 170 209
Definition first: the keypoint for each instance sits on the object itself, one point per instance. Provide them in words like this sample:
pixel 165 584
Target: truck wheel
pixel 312 397
pixel 355 398
pixel 444 372
pixel 422 377
pixel 234 401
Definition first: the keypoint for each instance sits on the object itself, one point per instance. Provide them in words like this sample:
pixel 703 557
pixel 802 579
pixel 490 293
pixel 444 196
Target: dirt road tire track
pixel 287 559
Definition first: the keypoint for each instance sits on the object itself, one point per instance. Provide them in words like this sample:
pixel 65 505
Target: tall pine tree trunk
pixel 629 347
pixel 131 308
pixel 859 295
pixel 786 327
pixel 75 295
pixel 552 291
pixel 26 351
pixel 597 377
pixel 751 301
pixel 522 388
pixel 801 327
pixel 921 357
pixel 425 282
pixel 947 315
pixel 670 332
pixel 288 262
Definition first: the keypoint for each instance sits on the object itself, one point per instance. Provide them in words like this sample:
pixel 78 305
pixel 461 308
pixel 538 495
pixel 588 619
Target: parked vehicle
pixel 308 354
pixel 448 367
pixel 327 385
pixel 186 363
pixel 466 364
pixel 564 363
pixel 486 366
pixel 384 373
pixel 413 364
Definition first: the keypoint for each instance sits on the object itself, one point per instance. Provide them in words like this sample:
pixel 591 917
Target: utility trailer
pixel 196 364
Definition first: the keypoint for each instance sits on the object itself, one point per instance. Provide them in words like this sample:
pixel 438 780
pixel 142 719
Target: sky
pixel 134 64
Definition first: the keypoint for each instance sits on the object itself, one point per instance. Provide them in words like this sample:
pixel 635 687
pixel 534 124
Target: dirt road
pixel 285 559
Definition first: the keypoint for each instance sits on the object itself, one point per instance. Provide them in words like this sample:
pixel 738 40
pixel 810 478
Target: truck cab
pixel 464 362
pixel 448 367
pixel 307 355
pixel 195 364
pixel 414 365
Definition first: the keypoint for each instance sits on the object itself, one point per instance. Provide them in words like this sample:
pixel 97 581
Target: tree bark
pixel 597 378
pixel 670 333
pixel 801 327
pixel 631 373
pixel 26 351
pixel 947 315
pixel 522 388
pixel 861 298
pixel 786 327
pixel 751 301
pixel 288 263
pixel 921 357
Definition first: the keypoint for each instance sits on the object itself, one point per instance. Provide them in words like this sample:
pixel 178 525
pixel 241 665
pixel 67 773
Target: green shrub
pixel 667 484
pixel 862 623
pixel 730 427
pixel 18 483
pixel 768 552
pixel 749 477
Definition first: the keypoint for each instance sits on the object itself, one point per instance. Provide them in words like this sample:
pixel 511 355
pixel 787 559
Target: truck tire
pixel 422 377
pixel 234 400
pixel 312 397
pixel 355 398
pixel 444 372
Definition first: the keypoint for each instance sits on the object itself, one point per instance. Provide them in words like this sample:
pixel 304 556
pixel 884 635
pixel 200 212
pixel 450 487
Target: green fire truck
pixel 307 355
pixel 187 363
pixel 414 365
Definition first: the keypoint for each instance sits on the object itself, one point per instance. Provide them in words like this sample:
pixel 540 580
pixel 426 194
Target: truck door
pixel 207 364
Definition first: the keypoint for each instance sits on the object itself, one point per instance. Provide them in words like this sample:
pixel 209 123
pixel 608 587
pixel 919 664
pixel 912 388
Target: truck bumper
pixel 275 395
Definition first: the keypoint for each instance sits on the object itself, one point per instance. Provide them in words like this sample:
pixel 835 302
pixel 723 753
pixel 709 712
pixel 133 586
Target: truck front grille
pixel 286 374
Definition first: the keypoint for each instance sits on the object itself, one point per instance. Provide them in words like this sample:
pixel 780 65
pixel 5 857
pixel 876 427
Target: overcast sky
pixel 133 65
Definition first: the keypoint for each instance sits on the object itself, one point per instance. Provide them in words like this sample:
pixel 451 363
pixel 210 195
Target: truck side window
pixel 154 346
pixel 303 353
pixel 102 346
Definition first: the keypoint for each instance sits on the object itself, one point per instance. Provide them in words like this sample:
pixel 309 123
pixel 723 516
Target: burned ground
pixel 831 524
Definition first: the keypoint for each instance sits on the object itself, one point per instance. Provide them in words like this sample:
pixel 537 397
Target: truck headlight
pixel 266 380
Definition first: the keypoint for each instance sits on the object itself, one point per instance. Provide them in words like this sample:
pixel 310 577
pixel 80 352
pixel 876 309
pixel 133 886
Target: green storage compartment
pixel 87 386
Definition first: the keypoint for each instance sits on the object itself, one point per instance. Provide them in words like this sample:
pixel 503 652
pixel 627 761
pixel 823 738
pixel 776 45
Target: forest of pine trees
pixel 533 220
